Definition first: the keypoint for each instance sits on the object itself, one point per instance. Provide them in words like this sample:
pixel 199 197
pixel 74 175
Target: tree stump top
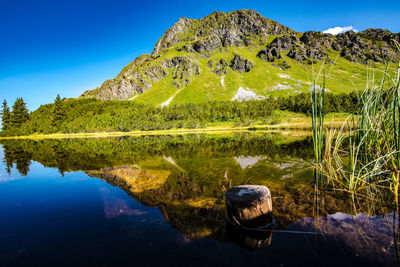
pixel 247 193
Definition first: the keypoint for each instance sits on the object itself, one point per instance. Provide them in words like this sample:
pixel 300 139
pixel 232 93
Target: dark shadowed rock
pixel 379 34
pixel 272 51
pixel 220 68
pixel 240 64
pixel 312 38
pixel 311 46
pixel 207 44
pixel 373 44
pixel 183 69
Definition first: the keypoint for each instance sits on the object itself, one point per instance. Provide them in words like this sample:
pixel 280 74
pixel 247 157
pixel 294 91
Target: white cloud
pixel 337 30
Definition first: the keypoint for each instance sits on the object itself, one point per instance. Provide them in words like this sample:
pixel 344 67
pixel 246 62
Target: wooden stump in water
pixel 249 206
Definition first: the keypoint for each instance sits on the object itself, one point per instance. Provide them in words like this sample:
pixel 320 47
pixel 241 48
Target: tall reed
pixel 317 114
pixel 366 151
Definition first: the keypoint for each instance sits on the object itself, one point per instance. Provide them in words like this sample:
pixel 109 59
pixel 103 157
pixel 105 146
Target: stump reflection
pixel 249 239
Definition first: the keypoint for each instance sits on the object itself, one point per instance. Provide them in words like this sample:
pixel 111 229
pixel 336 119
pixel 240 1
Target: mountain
pixel 243 55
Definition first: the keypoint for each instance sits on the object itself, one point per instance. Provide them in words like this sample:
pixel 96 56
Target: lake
pixel 159 201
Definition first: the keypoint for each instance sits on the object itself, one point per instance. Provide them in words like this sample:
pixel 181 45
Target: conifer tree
pixel 20 113
pixel 58 111
pixel 5 116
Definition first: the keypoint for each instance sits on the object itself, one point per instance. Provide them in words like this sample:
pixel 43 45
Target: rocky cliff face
pixel 179 51
pixel 373 44
pixel 238 28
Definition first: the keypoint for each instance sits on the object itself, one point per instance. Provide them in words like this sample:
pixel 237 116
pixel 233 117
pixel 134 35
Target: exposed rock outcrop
pixel 220 68
pixel 306 48
pixel 373 44
pixel 237 28
pixel 140 76
pixel 209 43
pixel 240 64
pixel 273 50
pixel 183 69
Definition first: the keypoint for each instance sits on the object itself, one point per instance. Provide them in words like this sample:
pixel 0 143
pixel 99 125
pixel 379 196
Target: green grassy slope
pixel 264 79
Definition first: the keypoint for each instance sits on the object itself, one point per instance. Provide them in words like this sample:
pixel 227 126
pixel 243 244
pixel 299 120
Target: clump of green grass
pixel 365 153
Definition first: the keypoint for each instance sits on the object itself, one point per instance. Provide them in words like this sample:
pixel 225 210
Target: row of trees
pixel 332 103
pixel 15 117
pixel 12 119
pixel 91 115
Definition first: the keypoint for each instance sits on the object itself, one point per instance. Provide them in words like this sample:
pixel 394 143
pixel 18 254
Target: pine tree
pixel 5 116
pixel 20 113
pixel 58 111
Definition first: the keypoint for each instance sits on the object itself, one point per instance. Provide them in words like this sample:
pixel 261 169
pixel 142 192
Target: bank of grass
pixel 294 123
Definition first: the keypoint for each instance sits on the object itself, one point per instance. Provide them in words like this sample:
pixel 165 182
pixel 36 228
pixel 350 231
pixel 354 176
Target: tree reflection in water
pixel 186 177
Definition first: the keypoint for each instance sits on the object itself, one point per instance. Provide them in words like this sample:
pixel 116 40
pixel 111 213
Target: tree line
pixel 16 117
pixel 92 115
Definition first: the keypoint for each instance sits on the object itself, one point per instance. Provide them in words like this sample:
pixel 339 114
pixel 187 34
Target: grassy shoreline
pixel 229 127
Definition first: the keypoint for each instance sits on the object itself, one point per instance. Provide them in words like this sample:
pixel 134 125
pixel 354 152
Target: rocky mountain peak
pixel 222 50
pixel 236 28
pixel 172 35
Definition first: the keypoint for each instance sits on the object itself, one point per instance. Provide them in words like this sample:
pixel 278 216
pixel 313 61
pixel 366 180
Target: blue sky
pixel 67 47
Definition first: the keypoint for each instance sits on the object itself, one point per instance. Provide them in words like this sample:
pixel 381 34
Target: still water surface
pixel 159 201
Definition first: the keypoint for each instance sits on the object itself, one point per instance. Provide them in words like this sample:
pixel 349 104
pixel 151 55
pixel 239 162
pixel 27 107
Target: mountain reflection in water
pixel 186 177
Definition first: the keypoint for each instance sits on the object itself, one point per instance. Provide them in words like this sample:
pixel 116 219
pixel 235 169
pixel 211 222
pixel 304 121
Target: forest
pixel 91 115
